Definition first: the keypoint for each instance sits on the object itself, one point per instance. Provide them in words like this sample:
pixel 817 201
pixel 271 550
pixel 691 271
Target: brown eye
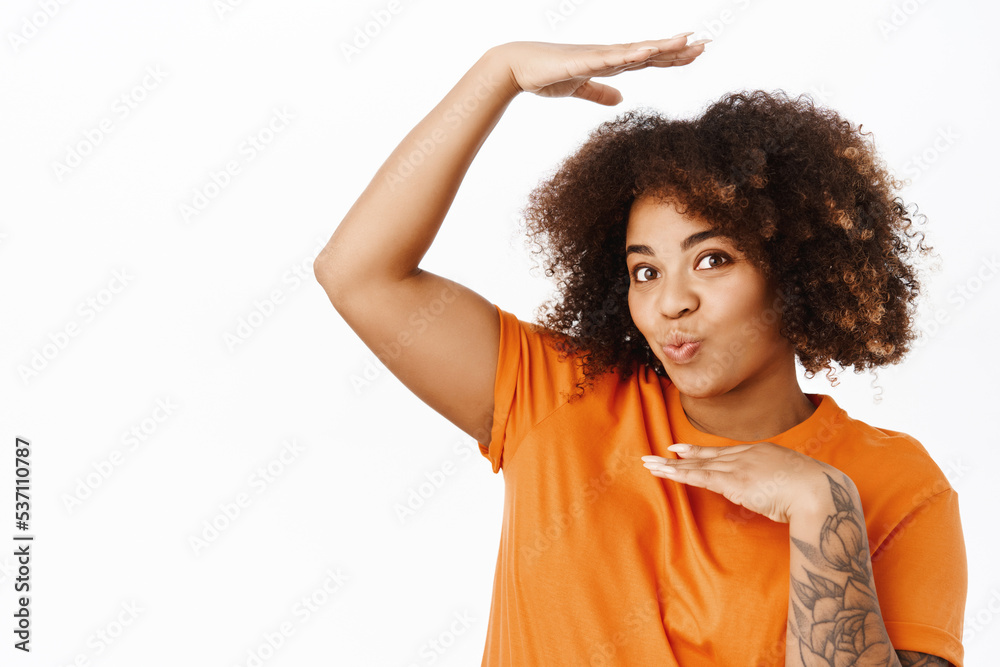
pixel 639 271
pixel 718 255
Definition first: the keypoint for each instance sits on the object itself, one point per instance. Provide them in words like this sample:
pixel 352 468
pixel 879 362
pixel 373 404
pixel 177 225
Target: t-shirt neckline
pixel 684 431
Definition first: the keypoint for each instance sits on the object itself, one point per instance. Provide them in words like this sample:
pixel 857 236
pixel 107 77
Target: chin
pixel 697 385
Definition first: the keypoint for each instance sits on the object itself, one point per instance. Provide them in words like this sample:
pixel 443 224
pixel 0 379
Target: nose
pixel 676 297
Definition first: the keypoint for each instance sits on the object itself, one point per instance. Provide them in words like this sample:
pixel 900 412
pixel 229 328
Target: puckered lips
pixel 680 347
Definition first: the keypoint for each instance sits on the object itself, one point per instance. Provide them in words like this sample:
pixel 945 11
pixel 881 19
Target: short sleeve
pixel 531 383
pixel 921 579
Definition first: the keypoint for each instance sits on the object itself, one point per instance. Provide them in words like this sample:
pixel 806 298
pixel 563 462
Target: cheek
pixel 735 308
pixel 742 313
pixel 640 311
pixel 635 310
pixel 756 323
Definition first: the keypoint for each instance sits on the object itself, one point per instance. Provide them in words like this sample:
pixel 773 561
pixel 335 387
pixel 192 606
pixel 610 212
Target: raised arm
pixel 438 337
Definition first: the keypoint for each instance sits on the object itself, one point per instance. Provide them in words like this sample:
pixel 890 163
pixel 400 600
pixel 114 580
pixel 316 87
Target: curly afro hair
pixel 798 189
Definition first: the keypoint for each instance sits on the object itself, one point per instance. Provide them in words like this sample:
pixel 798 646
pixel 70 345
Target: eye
pixel 721 255
pixel 639 270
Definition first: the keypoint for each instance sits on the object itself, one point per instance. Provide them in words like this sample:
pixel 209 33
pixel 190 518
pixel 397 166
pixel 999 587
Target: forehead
pixel 650 217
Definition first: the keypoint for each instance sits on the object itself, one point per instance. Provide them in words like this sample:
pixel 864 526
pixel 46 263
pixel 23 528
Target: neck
pixel 753 410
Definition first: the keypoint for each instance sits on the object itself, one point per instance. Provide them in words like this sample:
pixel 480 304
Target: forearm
pixel 833 609
pixel 394 221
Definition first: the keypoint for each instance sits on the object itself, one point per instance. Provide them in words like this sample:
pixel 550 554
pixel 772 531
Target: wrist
pixel 820 503
pixel 495 64
pixel 815 507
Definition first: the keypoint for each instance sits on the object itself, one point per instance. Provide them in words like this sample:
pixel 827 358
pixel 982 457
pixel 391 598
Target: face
pixel 687 284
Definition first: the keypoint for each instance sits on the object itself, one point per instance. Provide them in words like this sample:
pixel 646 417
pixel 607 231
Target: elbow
pixel 335 276
pixel 325 269
pixel 321 268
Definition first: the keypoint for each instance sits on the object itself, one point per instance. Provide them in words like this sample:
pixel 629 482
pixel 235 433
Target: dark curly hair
pixel 800 191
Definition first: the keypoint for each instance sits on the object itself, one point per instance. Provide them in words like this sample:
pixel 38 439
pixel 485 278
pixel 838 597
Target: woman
pixel 671 495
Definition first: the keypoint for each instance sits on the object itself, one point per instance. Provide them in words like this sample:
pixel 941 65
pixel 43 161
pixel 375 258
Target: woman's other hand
pixel 766 478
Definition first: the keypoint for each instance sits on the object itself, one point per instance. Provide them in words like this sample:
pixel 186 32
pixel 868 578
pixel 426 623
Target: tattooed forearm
pixel 914 659
pixel 833 612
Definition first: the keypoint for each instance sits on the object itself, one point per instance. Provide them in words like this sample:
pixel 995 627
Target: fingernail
pixel 679 448
pixel 682 34
pixel 699 41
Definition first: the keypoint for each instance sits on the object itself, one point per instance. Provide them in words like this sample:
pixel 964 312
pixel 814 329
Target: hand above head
pixel 565 70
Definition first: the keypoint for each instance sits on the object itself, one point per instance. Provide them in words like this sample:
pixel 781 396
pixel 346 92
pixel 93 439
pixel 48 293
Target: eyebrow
pixel 686 244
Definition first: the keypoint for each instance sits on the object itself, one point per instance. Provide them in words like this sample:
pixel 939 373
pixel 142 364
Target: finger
pixel 675 42
pixel 680 56
pixel 716 465
pixel 686 451
pixel 701 477
pixel 603 61
pixel 659 54
pixel 608 62
pixel 673 48
pixel 598 92
pixel 659 60
pixel 680 38
pixel 698 42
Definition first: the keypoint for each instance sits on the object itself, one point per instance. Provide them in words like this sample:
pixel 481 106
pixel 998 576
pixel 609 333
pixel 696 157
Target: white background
pixel 912 73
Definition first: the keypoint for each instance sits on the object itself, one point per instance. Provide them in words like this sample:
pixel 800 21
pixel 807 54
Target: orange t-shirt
pixel 602 563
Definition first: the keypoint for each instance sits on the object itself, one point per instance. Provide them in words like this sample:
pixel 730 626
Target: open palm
pixel 565 70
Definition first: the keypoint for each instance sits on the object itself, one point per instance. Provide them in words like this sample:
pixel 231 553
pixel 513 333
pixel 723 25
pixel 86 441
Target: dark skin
pixel 409 207
pixel 741 384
